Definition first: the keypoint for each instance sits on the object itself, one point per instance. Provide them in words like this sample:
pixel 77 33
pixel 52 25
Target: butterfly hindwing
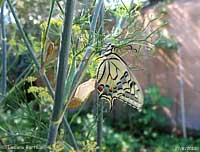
pixel 116 82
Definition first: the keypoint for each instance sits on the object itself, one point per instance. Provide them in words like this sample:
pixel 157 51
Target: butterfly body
pixel 116 82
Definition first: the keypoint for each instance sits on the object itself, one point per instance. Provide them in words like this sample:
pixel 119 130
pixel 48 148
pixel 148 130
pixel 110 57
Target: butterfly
pixel 116 82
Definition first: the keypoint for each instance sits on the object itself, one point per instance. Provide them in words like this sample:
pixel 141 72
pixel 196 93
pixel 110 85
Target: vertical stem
pixel 181 89
pixel 82 66
pixel 46 30
pixel 26 41
pixel 85 60
pixel 62 68
pixel 99 123
pixel 71 136
pixel 30 49
pixel 100 105
pixel 4 59
pixel 60 7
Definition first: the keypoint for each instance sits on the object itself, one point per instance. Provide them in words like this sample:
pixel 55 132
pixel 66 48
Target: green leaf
pixel 70 77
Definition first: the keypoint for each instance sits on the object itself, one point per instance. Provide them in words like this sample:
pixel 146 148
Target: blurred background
pixel 168 73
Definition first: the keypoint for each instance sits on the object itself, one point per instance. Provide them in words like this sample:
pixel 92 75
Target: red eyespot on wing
pixel 100 87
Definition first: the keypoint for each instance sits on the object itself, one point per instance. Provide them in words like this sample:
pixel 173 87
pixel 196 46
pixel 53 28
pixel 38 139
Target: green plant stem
pixel 43 76
pixel 4 50
pixel 32 54
pixel 88 54
pixel 60 7
pixel 30 49
pixel 71 136
pixel 100 104
pixel 94 21
pixel 99 123
pixel 46 31
pixel 62 69
pixel 78 74
pixel 81 68
pixel 25 73
pixel 82 65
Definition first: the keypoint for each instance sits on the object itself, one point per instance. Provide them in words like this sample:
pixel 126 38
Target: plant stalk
pixel 99 123
pixel 88 54
pixel 71 136
pixel 4 50
pixel 62 70
pixel 27 43
pixel 85 60
pixel 79 72
pixel 100 104
pixel 46 31
pixel 30 49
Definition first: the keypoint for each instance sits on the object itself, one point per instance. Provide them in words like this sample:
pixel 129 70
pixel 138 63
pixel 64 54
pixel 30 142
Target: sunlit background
pixel 166 66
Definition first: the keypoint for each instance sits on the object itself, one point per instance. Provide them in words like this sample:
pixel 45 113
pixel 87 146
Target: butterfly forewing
pixel 115 82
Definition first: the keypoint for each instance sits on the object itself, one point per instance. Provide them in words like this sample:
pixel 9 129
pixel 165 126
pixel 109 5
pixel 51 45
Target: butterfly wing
pixel 115 81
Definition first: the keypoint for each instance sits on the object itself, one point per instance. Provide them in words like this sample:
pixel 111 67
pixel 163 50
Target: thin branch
pixel 71 136
pixel 88 54
pixel 25 73
pixel 60 7
pixel 33 56
pixel 4 50
pixel 46 31
pixel 26 41
pixel 30 49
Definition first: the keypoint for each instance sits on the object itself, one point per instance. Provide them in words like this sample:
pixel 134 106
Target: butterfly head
pixel 107 50
pixel 109 47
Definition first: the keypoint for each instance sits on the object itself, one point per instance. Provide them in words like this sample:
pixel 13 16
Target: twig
pixel 30 49
pixel 60 7
pixel 4 50
pixel 46 31
pixel 71 136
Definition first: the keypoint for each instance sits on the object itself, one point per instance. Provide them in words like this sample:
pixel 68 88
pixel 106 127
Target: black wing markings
pixel 125 93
